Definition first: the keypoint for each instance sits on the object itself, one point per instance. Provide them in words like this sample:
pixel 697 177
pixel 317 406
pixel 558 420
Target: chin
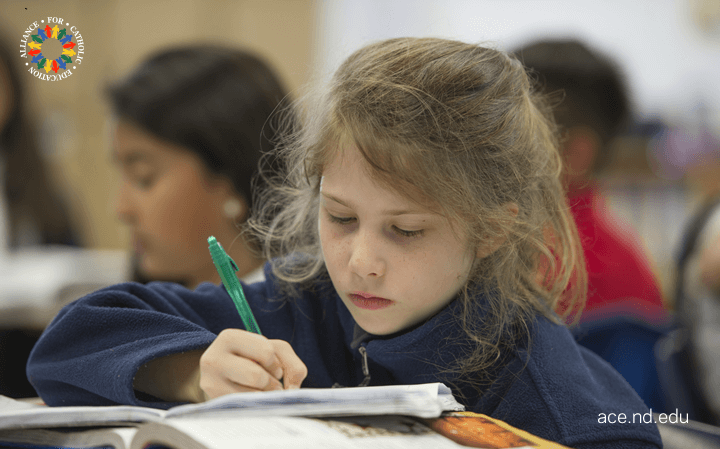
pixel 376 328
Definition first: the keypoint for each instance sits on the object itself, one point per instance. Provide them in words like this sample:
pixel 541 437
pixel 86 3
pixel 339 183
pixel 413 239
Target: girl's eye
pixel 398 231
pixel 340 220
pixel 405 233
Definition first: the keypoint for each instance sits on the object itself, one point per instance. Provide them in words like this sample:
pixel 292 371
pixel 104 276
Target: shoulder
pixel 563 390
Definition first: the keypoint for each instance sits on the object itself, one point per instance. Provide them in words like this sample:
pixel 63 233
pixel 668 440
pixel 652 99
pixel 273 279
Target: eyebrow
pixel 382 212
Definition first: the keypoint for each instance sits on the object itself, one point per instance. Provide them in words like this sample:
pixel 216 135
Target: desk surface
pixel 36 283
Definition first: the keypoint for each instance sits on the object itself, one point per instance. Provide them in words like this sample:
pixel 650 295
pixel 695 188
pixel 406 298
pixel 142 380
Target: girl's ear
pixel 490 245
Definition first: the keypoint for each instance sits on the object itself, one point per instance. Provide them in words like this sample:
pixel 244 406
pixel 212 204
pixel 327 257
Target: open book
pixel 357 432
pixel 422 400
pixel 363 417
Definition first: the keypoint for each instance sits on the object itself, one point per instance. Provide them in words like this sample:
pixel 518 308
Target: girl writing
pixel 406 238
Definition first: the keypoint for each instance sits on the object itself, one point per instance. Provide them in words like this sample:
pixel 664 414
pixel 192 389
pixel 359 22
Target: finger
pixel 221 389
pixel 294 369
pixel 254 347
pixel 236 374
pixel 248 374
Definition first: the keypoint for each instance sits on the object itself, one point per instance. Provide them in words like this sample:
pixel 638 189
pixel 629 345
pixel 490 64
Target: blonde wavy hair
pixel 463 125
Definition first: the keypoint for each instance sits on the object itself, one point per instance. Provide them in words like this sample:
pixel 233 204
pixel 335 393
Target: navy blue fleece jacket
pixel 558 390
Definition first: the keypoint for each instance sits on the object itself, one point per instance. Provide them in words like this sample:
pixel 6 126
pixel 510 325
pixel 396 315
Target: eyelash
pixel 401 232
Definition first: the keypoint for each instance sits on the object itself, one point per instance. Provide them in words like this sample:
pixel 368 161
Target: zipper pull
pixel 365 370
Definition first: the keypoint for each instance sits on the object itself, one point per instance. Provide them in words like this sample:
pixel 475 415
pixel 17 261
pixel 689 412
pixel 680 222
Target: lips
pixel 368 301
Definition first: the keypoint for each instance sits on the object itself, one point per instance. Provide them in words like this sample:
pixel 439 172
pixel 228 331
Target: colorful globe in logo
pixel 61 35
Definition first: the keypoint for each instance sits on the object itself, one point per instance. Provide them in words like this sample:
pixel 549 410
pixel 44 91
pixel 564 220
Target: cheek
pixel 446 270
pixel 461 264
pixel 333 245
pixel 170 202
pixel 327 242
pixel 181 209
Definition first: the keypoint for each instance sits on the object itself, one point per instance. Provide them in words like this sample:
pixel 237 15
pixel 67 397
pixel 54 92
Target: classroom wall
pixel 118 34
pixel 670 49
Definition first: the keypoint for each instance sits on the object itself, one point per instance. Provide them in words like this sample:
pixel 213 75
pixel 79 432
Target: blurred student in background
pixel 191 123
pixel 624 313
pixel 32 212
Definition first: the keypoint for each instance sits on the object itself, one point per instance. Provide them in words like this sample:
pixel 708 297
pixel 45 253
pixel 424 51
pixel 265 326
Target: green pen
pixel 226 268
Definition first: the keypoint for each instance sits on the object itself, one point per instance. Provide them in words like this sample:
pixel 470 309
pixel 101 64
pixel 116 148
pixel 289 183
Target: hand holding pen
pixel 244 360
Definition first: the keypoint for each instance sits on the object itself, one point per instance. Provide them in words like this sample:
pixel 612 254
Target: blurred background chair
pixel 687 357
pixel 681 389
pixel 628 343
pixel 685 434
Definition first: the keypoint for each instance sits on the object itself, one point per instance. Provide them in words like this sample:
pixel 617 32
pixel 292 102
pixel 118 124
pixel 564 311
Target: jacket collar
pixel 416 356
pixel 420 355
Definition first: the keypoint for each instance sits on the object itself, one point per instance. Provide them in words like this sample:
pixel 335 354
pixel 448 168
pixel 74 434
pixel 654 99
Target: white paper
pixel 422 400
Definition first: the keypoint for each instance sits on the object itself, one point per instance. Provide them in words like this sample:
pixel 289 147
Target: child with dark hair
pixel 192 123
pixel 592 108
pixel 35 214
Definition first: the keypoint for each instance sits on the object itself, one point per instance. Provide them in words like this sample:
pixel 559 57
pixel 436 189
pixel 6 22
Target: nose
pixel 124 209
pixel 366 259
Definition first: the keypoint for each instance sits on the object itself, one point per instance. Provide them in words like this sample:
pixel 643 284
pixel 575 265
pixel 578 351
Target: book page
pixel 385 432
pixel 75 416
pixel 9 404
pixel 422 400
pixel 118 438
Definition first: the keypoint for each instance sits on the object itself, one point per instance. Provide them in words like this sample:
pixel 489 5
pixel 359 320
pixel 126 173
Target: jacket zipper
pixel 365 370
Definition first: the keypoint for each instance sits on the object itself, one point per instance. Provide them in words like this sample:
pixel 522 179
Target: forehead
pixel 131 141
pixel 343 158
pixel 347 172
